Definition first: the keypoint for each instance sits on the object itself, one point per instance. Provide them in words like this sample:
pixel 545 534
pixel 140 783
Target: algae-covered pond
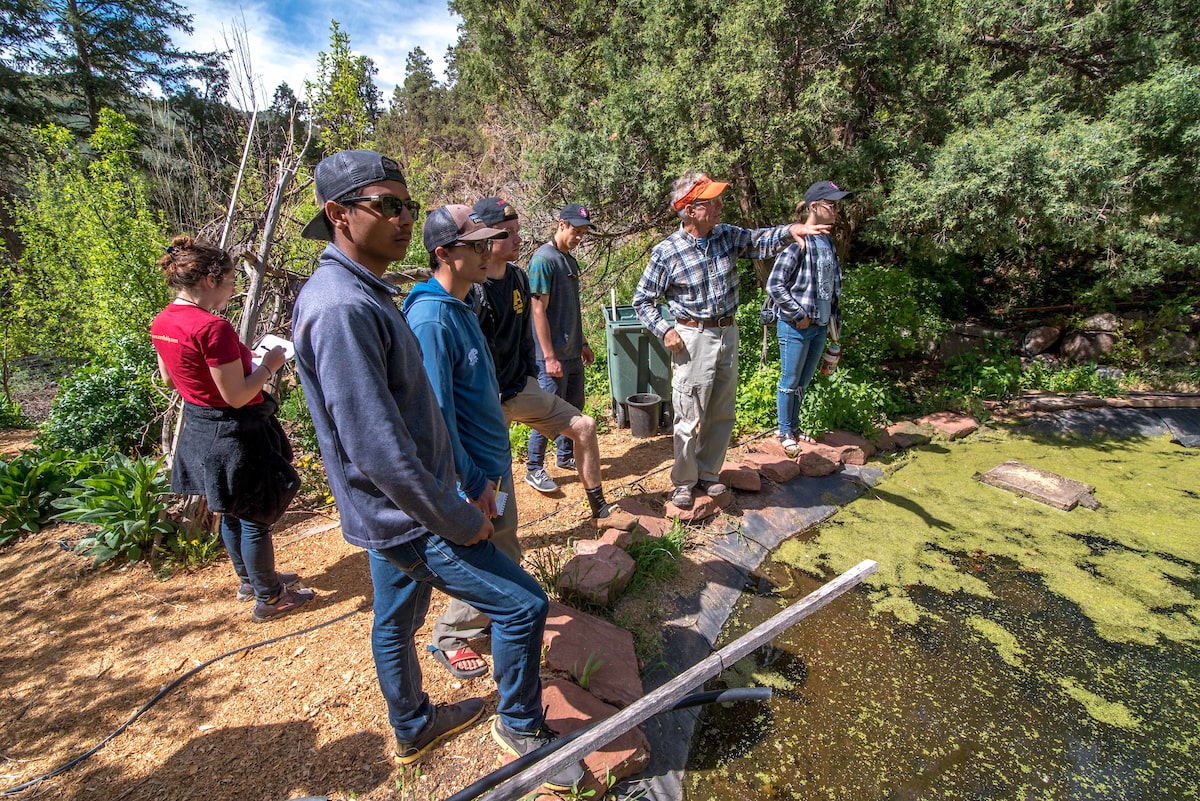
pixel 1005 649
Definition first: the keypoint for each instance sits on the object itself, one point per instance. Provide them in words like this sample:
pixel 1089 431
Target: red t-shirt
pixel 190 340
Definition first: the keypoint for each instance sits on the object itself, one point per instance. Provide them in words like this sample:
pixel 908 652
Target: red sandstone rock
pixel 949 424
pixel 571 708
pixel 598 578
pixel 907 434
pixel 618 519
pixel 741 477
pixel 577 642
pixel 654 524
pixel 841 439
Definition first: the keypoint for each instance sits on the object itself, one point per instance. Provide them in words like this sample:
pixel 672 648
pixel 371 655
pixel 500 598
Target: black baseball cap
pixel 456 223
pixel 494 210
pixel 576 214
pixel 339 175
pixel 824 190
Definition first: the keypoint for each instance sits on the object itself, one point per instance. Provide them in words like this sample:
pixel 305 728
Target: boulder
pixel 907 434
pixel 1040 339
pixel 841 439
pixel 1106 322
pixel 741 477
pixel 598 577
pixel 820 460
pixel 1080 347
pixel 650 521
pixel 703 508
pixel 777 468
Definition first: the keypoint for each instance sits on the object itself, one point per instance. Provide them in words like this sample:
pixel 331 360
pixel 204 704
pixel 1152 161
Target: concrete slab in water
pixel 1040 485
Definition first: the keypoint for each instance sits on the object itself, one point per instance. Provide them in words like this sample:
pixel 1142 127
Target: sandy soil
pixel 286 709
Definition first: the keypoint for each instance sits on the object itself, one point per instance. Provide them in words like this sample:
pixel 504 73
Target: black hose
pixel 163 692
pixel 519 764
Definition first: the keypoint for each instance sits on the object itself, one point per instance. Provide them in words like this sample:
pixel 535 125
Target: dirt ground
pixel 282 710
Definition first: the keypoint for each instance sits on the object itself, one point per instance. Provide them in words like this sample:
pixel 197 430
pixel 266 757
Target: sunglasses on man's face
pixel 482 246
pixel 389 205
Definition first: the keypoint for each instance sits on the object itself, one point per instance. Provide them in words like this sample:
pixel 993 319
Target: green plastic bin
pixel 638 362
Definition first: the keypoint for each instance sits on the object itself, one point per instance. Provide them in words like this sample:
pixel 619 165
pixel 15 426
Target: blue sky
pixel 284 37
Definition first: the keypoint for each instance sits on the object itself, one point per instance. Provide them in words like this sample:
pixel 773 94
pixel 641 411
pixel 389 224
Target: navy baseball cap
pixel 824 190
pixel 456 223
pixel 576 214
pixel 494 210
pixel 339 175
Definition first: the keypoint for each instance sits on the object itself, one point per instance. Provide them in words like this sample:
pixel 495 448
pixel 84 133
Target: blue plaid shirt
pixel 698 277
pixel 807 283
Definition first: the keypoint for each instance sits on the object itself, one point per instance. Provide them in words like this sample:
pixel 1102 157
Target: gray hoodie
pixel 383 439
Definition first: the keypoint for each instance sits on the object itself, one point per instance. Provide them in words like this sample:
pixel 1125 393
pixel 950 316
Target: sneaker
pixel 540 481
pixel 712 489
pixel 447 720
pixel 246 590
pixel 519 744
pixel 288 600
pixel 566 464
pixel 682 497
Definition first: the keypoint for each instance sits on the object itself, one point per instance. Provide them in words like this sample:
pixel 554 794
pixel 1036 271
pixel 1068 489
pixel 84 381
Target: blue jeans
pixel 570 388
pixel 800 351
pixel 253 555
pixel 404 577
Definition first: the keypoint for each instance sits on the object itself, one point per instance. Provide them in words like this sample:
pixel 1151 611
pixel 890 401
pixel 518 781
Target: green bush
pixel 10 414
pixel 110 405
pixel 886 312
pixel 1073 378
pixel 848 400
pixel 31 481
pixel 128 501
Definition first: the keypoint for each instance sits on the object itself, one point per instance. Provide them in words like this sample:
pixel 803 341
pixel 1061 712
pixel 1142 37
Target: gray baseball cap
pixel 339 175
pixel 456 223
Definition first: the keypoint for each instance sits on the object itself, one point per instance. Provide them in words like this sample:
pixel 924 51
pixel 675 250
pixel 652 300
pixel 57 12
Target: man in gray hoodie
pixel 390 465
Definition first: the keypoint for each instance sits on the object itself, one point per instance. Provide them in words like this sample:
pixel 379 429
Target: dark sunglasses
pixel 482 246
pixel 389 205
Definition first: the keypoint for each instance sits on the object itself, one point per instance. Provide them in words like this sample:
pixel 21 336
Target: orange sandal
pixel 452 659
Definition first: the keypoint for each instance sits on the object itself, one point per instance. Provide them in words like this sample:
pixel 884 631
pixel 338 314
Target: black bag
pixel 770 312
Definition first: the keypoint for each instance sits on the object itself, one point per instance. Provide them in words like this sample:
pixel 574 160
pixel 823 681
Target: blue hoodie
pixel 459 364
pixel 386 450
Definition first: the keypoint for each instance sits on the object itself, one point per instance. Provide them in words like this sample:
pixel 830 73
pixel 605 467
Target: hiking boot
pixel 447 720
pixel 566 464
pixel 246 589
pixel 682 497
pixel 519 744
pixel 712 489
pixel 540 481
pixel 288 600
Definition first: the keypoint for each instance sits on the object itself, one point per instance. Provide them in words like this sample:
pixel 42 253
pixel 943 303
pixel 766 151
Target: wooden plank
pixel 1040 485
pixel 688 681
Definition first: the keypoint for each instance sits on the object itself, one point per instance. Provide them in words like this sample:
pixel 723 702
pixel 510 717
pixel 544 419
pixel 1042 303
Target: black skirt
pixel 239 459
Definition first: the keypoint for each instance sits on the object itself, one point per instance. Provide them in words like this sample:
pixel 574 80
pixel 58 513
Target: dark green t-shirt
pixel 556 275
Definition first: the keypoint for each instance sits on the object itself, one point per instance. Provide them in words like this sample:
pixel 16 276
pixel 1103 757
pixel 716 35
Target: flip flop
pixel 805 438
pixel 451 659
pixel 790 448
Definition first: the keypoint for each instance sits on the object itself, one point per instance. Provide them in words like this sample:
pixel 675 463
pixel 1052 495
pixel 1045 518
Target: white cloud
pixel 283 37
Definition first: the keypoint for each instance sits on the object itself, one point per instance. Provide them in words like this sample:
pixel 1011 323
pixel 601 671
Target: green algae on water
pixel 1113 713
pixel 1127 565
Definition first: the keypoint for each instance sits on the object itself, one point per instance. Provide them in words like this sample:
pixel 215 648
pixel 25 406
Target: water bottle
pixel 830 359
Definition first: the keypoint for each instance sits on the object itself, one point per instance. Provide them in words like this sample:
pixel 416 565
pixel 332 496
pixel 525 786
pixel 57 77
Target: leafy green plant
pixel 848 400
pixel 990 372
pixel 128 501
pixel 10 414
pixel 757 387
pixel 201 549
pixel 583 676
pixel 1104 382
pixel 518 438
pixel 109 405
pixel 29 484
pixel 656 559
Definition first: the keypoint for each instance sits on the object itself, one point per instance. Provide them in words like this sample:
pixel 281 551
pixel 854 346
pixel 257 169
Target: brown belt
pixel 713 322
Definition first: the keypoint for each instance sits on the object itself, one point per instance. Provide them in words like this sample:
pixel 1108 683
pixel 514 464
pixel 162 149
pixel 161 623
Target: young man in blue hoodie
pixel 459 364
pixel 390 464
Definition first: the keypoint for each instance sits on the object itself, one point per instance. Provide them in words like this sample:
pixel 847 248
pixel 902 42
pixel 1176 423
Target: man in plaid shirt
pixel 695 269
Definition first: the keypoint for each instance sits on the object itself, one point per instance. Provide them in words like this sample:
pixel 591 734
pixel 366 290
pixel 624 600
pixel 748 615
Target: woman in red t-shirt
pixel 232 449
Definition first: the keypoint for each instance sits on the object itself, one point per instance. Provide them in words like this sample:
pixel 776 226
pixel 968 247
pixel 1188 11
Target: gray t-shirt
pixel 556 275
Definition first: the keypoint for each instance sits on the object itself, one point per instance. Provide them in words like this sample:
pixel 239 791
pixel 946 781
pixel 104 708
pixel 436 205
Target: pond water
pixel 1005 650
